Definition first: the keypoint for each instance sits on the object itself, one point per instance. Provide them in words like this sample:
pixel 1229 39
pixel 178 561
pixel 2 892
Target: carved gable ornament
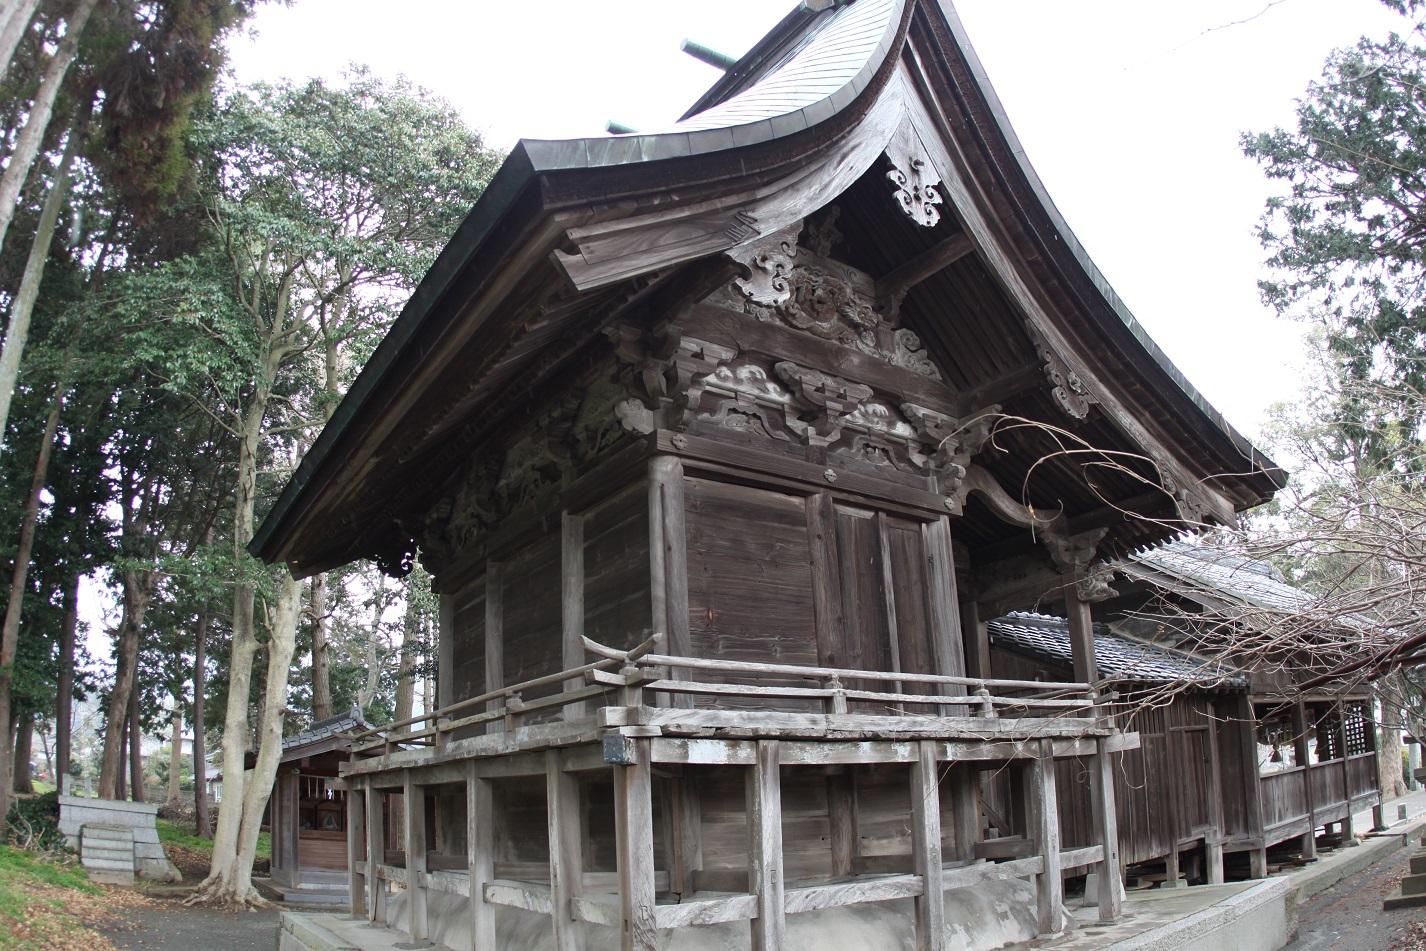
pixel 1068 390
pixel 913 177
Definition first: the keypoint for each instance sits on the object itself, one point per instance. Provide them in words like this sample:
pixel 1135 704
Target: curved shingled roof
pixel 808 73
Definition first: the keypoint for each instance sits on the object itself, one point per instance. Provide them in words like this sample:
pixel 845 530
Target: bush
pixel 33 823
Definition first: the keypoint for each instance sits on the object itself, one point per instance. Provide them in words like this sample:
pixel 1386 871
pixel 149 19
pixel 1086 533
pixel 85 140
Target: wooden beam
pixel 1299 744
pixel 1081 632
pixel 842 821
pixel 417 916
pixel 480 854
pixel 908 274
pixel 688 838
pixel 668 559
pixel 826 581
pixel 375 854
pixel 765 875
pixel 1043 806
pixel 572 604
pixel 356 850
pixel 1106 830
pixel 566 850
pixel 634 850
pixel 494 630
pixel 947 638
pixel 977 640
pixel 930 907
pixel 888 594
pixel 964 785
pixel 1213 844
pixel 1248 764
pixel 1348 833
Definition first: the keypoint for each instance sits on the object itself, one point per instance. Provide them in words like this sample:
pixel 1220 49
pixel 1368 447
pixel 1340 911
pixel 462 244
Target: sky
pixel 1130 111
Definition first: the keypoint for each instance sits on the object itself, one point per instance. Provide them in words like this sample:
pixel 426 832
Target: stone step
pixel 126 855
pixel 114 865
pixel 1403 901
pixel 1418 863
pixel 1413 885
pixel 107 832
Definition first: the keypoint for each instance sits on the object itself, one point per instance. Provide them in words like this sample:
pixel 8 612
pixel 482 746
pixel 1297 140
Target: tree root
pixel 216 892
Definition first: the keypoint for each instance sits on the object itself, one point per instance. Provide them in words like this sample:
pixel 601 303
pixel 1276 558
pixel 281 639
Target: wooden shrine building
pixel 715 441
pixel 307 811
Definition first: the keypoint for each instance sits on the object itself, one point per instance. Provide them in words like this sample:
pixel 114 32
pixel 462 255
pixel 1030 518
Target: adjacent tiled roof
pixel 350 722
pixel 1119 658
pixel 1213 571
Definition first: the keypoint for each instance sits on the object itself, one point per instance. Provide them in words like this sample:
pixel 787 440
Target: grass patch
pixel 36 900
pixel 171 833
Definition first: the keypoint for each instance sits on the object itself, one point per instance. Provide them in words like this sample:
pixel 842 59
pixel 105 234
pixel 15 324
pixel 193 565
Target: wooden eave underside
pixel 510 321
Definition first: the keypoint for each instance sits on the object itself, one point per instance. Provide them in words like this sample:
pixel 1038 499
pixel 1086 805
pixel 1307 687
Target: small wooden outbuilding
pixel 308 809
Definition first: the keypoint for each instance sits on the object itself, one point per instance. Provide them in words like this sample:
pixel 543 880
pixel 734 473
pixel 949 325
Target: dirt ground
pixel 163 923
pixel 1349 914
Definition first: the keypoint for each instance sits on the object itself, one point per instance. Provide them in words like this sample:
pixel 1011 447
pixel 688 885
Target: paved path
pixel 165 924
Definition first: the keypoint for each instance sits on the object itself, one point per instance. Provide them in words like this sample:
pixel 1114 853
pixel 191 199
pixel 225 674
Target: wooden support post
pixel 842 818
pixel 414 800
pixel 930 905
pixel 634 848
pixel 668 562
pixel 1081 629
pixel 688 825
pixel 572 605
pixel 947 639
pixel 375 855
pixel 965 809
pixel 765 879
pixel 480 855
pixel 356 848
pixel 494 631
pixel 1044 809
pixel 1102 805
pixel 1248 763
pixel 826 589
pixel 566 850
pixel 977 641
pixel 888 588
pixel 1213 841
pixel 1299 745
pixel 1348 831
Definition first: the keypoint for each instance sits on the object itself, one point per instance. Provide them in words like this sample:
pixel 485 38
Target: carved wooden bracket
pixel 1068 390
pixel 768 261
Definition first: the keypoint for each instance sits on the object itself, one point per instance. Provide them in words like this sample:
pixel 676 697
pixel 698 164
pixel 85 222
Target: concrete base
pixel 149 861
pixel 993 915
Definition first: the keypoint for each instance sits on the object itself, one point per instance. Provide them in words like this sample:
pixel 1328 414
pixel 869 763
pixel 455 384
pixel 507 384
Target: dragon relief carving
pixel 796 284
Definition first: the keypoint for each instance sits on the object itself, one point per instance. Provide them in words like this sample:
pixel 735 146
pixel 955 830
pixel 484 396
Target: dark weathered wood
pixel 1043 805
pixel 480 854
pixel 963 786
pixel 688 833
pixel 356 850
pixel 935 258
pixel 375 853
pixel 977 640
pixel 414 819
pixel 1213 842
pixel 926 849
pixel 1106 831
pixel 842 821
pixel 494 630
pixel 634 844
pixel 826 591
pixel 562 813
pixel 572 602
pixel 1081 630
pixel 765 874
pixel 947 638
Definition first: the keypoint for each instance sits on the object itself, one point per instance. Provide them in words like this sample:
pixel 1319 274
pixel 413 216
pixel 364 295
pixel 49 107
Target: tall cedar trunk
pixel 64 694
pixel 24 749
pixel 175 753
pixel 14 21
pixel 136 749
pixel 37 120
pixel 321 676
pixel 204 825
pixel 222 881
pixel 121 785
pixel 280 647
pixel 137 593
pixel 10 630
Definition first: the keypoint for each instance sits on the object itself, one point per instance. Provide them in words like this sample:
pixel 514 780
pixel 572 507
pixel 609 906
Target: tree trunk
pixel 17 332
pixel 31 136
pixel 10 629
pixel 136 749
pixel 203 826
pixel 24 749
pixel 175 753
pixel 223 881
pixel 121 785
pixel 64 695
pixel 280 649
pixel 137 594
pixel 321 676
pixel 14 21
